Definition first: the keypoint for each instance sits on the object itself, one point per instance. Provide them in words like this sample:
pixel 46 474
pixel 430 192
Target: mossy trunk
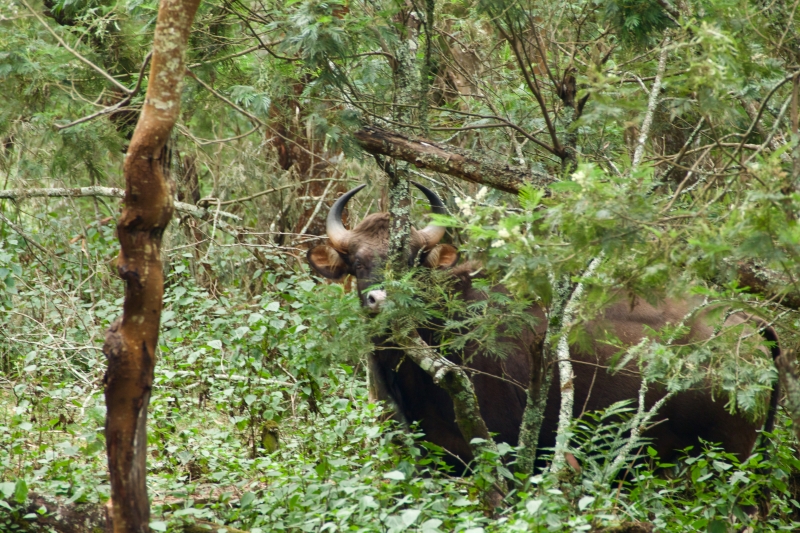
pixel 790 382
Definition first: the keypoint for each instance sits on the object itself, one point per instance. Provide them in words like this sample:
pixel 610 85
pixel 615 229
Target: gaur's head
pixel 362 251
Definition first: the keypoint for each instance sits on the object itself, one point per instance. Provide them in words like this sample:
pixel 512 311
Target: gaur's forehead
pixel 374 226
pixel 370 238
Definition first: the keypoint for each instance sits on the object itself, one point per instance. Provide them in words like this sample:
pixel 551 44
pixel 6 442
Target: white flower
pixel 579 177
pixel 481 193
pixel 503 233
pixel 464 205
pixel 498 243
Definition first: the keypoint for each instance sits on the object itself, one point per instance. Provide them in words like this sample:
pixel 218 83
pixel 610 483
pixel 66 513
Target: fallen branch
pixel 768 283
pixel 448 159
pixel 62 517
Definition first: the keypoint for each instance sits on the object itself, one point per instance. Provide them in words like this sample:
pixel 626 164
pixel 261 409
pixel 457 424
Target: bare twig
pixel 205 142
pixel 317 207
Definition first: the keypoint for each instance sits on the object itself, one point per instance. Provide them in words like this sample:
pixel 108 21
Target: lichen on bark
pixel 132 341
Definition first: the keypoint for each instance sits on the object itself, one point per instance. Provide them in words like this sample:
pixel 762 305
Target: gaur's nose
pixel 375 299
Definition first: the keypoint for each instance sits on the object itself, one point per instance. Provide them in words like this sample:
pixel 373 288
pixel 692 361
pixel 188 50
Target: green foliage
pixel 638 22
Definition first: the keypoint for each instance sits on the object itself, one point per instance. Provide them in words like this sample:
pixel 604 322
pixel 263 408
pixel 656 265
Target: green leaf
pixel 20 491
pixel 533 506
pixel 158 526
pixel 409 516
pixel 717 526
pixel 247 499
pixel 585 502
pixel 430 526
pixel 7 489
pixel 395 475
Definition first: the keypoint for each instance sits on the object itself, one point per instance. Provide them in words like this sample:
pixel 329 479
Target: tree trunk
pixel 790 382
pixel 131 341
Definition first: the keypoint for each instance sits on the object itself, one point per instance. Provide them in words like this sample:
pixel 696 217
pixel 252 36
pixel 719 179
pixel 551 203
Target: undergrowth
pixel 259 417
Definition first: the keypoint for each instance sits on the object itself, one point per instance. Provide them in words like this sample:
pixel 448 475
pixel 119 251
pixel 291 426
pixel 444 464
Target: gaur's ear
pixel 441 256
pixel 327 262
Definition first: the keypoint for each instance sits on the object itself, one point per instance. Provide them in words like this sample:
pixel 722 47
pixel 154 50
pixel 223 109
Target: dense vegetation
pixel 655 140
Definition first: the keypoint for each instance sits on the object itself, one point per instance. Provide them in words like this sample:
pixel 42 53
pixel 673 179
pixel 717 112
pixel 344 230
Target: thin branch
pixel 638 425
pixel 529 136
pixel 758 117
pixel 651 108
pixel 231 56
pixel 677 161
pixel 227 101
pixel 253 117
pixel 533 85
pixel 261 193
pixel 205 142
pixel 21 232
pixel 122 103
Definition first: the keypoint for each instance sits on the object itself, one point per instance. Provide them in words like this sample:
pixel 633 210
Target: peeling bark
pixel 448 159
pixel 132 341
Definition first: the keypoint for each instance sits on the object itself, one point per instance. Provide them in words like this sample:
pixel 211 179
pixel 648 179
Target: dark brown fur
pixel 500 385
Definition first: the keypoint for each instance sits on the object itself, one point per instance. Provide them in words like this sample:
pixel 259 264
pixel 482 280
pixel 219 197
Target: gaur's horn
pixel 432 234
pixel 336 231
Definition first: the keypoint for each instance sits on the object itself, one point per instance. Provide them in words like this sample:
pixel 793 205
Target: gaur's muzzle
pixel 375 300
